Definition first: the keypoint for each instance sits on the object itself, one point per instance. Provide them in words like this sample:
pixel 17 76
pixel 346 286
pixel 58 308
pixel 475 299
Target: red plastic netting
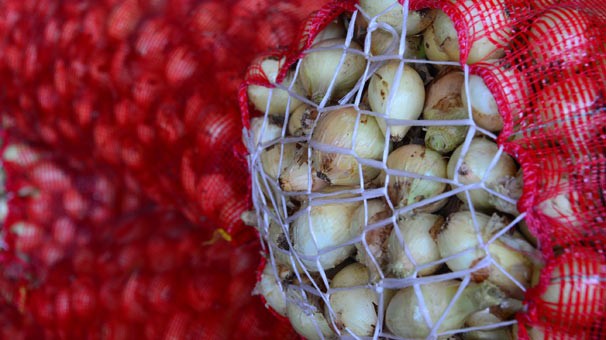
pixel 542 61
pixel 88 256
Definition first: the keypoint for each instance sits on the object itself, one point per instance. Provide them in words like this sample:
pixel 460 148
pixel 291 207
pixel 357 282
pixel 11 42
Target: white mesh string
pixel 275 205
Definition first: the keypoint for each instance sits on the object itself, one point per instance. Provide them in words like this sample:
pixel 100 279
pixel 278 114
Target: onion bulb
pixel 302 120
pixel 356 308
pixel 296 176
pixel 269 287
pixel 418 234
pixel 384 43
pixel 510 187
pixel 327 225
pixel 416 21
pixel 563 206
pixel 374 211
pixel 274 154
pixel 513 90
pixel 476 163
pixel 489 23
pixel 404 315
pixel 510 251
pixel 264 134
pixel 305 315
pixel 562 36
pixel 407 101
pixel 280 99
pixel 433 49
pixel 336 128
pixel 319 67
pixel 485 318
pixel 404 191
pixel 575 291
pixel 335 29
pixel 567 108
pixel 444 103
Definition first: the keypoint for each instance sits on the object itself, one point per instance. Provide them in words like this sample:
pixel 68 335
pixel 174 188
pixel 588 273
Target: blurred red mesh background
pixel 556 130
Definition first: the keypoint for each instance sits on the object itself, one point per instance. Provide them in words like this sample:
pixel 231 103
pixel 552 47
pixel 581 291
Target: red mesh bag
pixel 349 220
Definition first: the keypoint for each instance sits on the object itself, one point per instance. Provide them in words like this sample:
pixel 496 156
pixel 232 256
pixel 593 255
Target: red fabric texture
pixel 555 131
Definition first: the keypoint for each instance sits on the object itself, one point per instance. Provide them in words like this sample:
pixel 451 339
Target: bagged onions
pixel 395 201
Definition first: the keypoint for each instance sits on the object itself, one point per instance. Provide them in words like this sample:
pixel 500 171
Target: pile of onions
pixel 386 204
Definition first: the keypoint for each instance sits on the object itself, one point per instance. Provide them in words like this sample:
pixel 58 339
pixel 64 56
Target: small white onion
pixel 416 22
pixel 404 191
pixel 483 105
pixel 374 211
pixel 336 128
pixel 335 29
pixel 404 315
pixel 562 35
pixel 326 226
pixel 301 120
pixel 259 95
pixel 491 27
pixel 296 176
pixel 270 158
pixel 407 101
pixel 305 315
pixel 567 108
pixel 261 135
pixel 509 251
pixel 576 289
pixel 418 234
pixel 356 309
pixel 271 291
pixel 485 318
pixel 383 42
pixel 475 164
pixel 563 206
pixel 319 67
pixel 433 49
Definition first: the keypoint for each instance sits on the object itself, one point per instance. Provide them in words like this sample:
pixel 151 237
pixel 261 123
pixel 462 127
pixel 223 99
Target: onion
pixel 404 315
pixel 489 23
pixel 326 226
pixel 318 68
pixel 483 105
pixel 416 21
pixel 404 191
pixel 278 241
pixel 335 29
pixel 280 99
pixel 567 108
pixel 575 291
pixel 475 163
pixel 296 176
pixel 510 187
pixel 563 206
pixel 418 234
pixel 336 128
pixel 407 101
pixel 509 250
pixel 562 35
pixel 305 315
pixel 485 318
pixel 374 211
pixel 264 134
pixel 269 287
pixel 444 103
pixel 274 154
pixel 353 310
pixel 433 49
pixel 384 43
pixel 302 120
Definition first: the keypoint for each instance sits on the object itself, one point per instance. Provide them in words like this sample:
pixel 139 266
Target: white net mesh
pixel 359 243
